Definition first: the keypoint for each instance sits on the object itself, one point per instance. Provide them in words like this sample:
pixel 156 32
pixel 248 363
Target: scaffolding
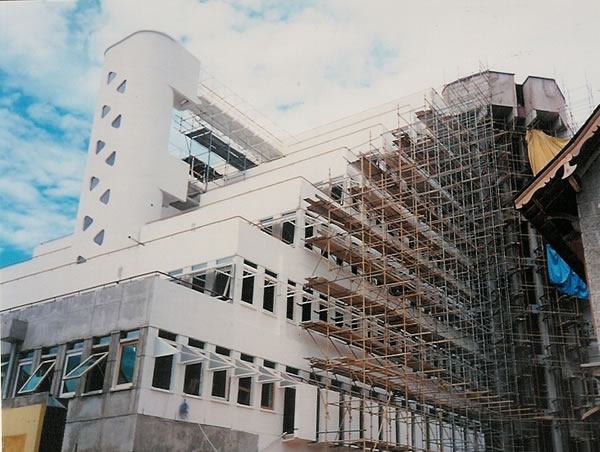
pixel 443 331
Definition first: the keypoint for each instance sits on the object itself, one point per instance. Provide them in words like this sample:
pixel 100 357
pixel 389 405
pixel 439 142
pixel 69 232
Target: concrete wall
pixel 163 435
pixel 543 96
pixel 499 87
pixel 96 313
pixel 588 204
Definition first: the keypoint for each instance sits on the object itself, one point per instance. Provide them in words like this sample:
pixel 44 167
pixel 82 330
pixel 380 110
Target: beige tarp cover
pixel 542 148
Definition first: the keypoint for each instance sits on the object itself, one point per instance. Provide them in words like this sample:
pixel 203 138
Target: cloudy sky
pixel 300 63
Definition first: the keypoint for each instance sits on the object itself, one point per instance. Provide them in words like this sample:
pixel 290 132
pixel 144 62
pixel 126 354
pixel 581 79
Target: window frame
pixel 246 378
pixel 169 349
pixel 23 362
pixel 220 371
pixel 268 386
pixel 270 281
pixel 89 368
pixel 227 294
pixel 45 375
pixel 249 271
pixel 123 343
pixel 290 300
pixel 71 354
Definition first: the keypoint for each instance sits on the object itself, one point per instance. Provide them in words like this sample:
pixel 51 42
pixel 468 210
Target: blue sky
pixel 299 63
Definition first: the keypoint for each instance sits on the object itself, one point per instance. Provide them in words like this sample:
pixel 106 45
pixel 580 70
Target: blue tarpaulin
pixel 565 279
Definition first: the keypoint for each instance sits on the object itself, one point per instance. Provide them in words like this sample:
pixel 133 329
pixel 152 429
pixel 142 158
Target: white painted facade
pixel 141 233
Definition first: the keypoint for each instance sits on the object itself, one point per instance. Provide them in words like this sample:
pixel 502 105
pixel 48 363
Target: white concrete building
pixel 172 318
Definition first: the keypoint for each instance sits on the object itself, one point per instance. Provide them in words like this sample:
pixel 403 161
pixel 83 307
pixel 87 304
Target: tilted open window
pixel 38 377
pixel 86 366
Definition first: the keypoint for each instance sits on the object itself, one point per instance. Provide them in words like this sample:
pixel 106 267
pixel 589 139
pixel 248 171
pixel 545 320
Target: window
pixel 215 282
pixel 164 350
pixel 95 366
pixel 248 277
pixel 266 225
pixel 121 88
pixel 5 360
pixel 126 360
pixel 245 385
pixel 198 279
pixel 291 294
pixel 99 238
pixel 289 410
pixel 223 277
pixel 39 380
pixel 323 308
pixel 288 227
pixel 116 122
pixel 161 377
pixel 220 383
pixel 72 360
pixel 24 369
pixel 338 318
pixel 337 193
pixel 269 291
pixel 283 227
pixel 307 305
pixel 192 380
pixel 310 226
pixel 267 390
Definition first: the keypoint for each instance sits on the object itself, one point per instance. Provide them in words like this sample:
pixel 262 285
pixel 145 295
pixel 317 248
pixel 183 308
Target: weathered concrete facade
pixel 588 205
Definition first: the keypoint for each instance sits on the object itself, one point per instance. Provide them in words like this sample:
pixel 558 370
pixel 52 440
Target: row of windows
pixel 29 379
pixel 217 368
pixel 259 286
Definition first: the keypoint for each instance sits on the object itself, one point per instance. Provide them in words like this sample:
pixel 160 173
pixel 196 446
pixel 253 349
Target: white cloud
pixel 324 60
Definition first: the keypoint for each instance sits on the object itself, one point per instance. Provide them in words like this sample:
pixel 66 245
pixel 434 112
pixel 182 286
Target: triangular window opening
pixel 99 146
pixel 105 110
pixel 122 86
pixel 87 222
pixel 94 181
pixel 105 197
pixel 99 238
pixel 117 122
pixel 110 160
pixel 111 77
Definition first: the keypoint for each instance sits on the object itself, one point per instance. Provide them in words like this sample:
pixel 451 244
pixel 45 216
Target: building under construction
pixel 366 285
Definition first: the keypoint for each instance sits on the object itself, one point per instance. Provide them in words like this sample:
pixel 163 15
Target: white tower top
pixel 129 174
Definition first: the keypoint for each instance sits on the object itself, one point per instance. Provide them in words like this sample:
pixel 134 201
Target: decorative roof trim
pixel 562 160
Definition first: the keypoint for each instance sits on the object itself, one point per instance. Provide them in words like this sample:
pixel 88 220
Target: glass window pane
pixel 245 386
pixel 219 385
pixel 199 282
pixel 71 363
pixel 192 379
pixel 85 366
pixel 127 363
pixel 222 283
pixel 287 232
pixel 266 396
pixel 248 287
pixel 94 379
pixel 161 378
pixel 40 374
pixel 23 374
